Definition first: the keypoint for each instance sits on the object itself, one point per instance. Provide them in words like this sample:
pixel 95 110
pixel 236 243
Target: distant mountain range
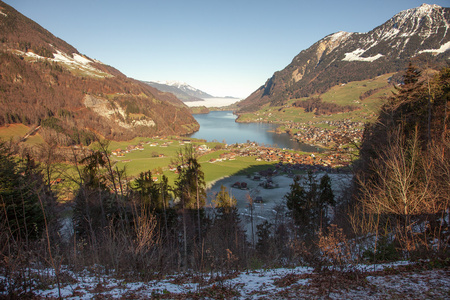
pixel 183 91
pixel 420 34
pixel 45 81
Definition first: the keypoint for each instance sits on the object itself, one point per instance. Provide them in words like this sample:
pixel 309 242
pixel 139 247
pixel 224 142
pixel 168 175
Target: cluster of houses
pixel 336 135
pixel 140 146
pixel 294 160
pixel 121 153
pixel 269 154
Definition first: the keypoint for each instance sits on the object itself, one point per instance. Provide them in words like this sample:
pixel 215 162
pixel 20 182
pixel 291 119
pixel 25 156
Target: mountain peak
pixel 342 57
pixel 419 12
pixel 426 8
pixel 182 90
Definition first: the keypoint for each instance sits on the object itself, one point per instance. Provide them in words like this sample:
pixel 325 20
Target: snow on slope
pixel 424 21
pixel 382 281
pixel 356 56
pixel 75 62
pixel 442 49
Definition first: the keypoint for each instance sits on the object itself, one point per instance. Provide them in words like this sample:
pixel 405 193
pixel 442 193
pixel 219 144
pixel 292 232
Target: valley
pixel 329 180
pixel 329 130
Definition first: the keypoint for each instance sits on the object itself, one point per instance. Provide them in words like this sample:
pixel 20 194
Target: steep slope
pixel 182 91
pixel 422 33
pixel 45 81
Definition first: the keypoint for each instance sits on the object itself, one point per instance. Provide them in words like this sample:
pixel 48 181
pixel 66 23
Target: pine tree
pixel 24 197
pixel 308 202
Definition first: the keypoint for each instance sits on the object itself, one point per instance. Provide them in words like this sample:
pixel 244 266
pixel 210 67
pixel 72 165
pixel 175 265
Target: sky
pixel 224 48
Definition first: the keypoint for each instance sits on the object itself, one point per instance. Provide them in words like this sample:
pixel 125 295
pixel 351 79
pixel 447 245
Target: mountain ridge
pixel 342 57
pixel 45 81
pixel 181 90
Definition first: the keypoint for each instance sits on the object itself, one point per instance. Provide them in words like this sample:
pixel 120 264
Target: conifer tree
pixel 308 202
pixel 24 197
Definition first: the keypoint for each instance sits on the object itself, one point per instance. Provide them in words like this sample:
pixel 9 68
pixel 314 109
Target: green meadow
pixel 149 159
pixel 346 94
pixel 15 132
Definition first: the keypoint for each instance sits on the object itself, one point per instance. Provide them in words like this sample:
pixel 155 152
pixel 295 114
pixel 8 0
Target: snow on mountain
pixel 425 22
pixel 181 90
pixel 356 56
pixel 194 92
pixel 344 57
pixel 76 61
pixel 442 49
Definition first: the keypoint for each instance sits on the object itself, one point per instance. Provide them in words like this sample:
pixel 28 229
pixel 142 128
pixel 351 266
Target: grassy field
pixel 159 157
pixel 347 94
pixel 138 161
pixel 16 132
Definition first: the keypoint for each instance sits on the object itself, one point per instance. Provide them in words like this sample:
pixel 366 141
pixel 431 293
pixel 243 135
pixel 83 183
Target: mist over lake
pixel 221 126
pixel 213 102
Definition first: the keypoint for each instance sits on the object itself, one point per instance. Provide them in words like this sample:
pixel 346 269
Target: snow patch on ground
pixel 378 282
pixel 76 62
pixel 340 35
pixel 356 56
pixel 442 49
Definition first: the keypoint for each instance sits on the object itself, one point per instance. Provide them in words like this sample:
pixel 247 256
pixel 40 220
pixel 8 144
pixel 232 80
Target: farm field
pixel 15 132
pixel 159 156
pixel 156 155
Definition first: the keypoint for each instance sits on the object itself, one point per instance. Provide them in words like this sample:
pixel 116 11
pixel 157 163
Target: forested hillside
pixel 46 82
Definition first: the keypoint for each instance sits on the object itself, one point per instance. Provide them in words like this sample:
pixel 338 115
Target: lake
pixel 221 126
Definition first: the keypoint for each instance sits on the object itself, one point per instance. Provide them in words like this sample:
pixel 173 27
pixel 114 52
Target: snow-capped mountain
pixel 182 90
pixel 417 33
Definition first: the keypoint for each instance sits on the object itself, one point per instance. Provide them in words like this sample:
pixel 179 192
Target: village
pixel 339 134
pixel 286 160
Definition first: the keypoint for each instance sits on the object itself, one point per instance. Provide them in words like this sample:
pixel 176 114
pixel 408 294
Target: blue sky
pixel 225 48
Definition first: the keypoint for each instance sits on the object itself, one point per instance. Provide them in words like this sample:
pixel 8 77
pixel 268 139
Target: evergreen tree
pixel 225 240
pixel 24 197
pixel 95 205
pixel 295 202
pixel 224 202
pixel 264 238
pixel 308 202
pixel 190 191
pixel 326 199
pixel 148 191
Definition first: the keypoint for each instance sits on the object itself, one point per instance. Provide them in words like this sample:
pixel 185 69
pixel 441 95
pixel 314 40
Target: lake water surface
pixel 221 126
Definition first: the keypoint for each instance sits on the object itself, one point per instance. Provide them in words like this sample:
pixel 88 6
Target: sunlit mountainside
pixel 47 82
pixel 420 33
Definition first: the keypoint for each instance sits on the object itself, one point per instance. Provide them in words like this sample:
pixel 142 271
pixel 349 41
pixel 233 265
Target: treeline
pixel 318 107
pixel 369 93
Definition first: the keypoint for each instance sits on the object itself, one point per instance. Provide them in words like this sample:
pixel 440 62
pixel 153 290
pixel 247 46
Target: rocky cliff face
pixel 45 81
pixel 421 32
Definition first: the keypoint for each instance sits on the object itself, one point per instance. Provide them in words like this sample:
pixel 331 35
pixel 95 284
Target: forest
pixel 396 208
pixel 44 93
